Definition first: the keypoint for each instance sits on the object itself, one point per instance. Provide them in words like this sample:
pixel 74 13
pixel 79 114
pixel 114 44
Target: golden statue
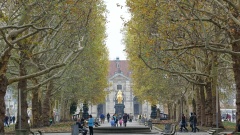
pixel 119 97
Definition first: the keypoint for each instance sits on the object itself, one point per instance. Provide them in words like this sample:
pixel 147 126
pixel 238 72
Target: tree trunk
pixel 215 102
pixel 52 104
pixel 174 112
pixel 202 114
pixel 22 86
pixel 236 70
pixel 46 105
pixel 36 107
pixel 3 84
pixel 3 89
pixel 198 110
pixel 208 112
pixel 169 111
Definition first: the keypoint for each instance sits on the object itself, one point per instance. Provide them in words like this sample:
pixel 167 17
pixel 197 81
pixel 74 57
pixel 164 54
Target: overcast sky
pixel 114 26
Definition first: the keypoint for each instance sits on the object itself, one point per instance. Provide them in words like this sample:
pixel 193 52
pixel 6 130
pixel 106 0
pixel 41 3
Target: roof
pixel 123 66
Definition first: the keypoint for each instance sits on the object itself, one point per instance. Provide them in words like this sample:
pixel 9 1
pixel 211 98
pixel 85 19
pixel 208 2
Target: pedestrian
pixel 112 122
pixel 13 119
pixel 90 124
pixel 183 123
pixel 102 117
pixel 125 120
pixel 114 118
pixel 116 122
pixel 191 121
pixel 6 121
pixel 195 123
pixel 120 122
pixel 108 117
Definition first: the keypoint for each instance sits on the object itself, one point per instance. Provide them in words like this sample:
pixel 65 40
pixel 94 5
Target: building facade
pixel 119 79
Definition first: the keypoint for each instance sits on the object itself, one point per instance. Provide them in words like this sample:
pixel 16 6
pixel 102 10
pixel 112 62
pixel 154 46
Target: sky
pixel 115 24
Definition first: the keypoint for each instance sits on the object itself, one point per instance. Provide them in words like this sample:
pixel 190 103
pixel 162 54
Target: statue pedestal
pixel 85 111
pixel 154 112
pixel 119 109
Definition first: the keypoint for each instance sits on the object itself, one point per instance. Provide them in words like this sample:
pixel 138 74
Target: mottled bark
pixel 236 70
pixel 22 87
pixel 202 118
pixel 208 111
pixel 3 89
pixel 3 84
pixel 36 107
pixel 51 111
pixel 198 107
pixel 46 105
pixel 174 112
pixel 169 111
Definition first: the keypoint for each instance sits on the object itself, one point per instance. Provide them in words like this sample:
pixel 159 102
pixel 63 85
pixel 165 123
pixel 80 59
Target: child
pixel 120 122
pixel 112 122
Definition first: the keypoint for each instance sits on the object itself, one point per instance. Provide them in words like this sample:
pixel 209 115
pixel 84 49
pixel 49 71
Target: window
pixel 119 87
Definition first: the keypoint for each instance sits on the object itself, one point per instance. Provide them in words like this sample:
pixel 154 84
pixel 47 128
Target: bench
pixel 37 132
pixel 173 130
pixel 211 132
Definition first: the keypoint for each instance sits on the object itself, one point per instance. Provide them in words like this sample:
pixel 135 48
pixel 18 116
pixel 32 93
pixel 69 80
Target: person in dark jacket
pixel 6 120
pixel 191 121
pixel 108 117
pixel 125 118
pixel 183 123
pixel 195 122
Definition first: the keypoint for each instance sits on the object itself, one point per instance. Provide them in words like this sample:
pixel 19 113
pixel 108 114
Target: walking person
pixel 102 117
pixel 90 124
pixel 195 123
pixel 13 119
pixel 120 122
pixel 183 123
pixel 116 122
pixel 191 121
pixel 112 123
pixel 108 117
pixel 114 118
pixel 6 121
pixel 125 120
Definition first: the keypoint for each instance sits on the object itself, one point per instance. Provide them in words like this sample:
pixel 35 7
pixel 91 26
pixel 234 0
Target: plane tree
pixel 37 38
pixel 182 38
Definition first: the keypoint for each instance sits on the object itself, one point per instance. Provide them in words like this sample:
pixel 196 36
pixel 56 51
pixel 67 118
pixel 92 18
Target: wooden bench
pixel 173 130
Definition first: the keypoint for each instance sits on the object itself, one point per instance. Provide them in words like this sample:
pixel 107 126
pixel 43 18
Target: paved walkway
pixel 132 124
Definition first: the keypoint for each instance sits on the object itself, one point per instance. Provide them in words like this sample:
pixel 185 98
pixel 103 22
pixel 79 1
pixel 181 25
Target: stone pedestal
pixel 154 112
pixel 85 111
pixel 119 109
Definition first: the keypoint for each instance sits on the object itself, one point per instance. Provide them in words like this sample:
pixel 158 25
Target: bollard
pixel 75 130
pixel 150 123
pixel 167 128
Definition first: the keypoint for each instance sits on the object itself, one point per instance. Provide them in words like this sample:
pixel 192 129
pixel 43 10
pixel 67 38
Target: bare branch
pixel 16 79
